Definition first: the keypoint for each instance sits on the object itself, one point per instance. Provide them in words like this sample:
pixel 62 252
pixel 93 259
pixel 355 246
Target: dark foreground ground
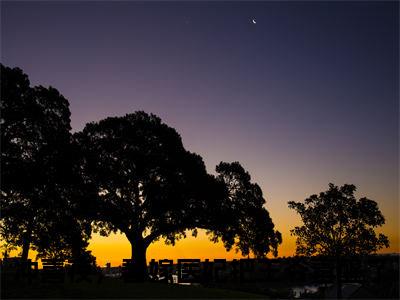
pixel 114 288
pixel 385 286
pixel 117 288
pixel 371 277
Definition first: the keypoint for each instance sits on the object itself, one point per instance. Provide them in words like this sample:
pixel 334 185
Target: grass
pixel 114 288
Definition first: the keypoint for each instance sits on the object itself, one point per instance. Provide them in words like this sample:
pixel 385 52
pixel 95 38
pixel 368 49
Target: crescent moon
pixel 254 21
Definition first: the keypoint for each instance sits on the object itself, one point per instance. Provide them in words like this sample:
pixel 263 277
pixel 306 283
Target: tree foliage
pixel 36 164
pixel 335 223
pixel 241 219
pixel 144 178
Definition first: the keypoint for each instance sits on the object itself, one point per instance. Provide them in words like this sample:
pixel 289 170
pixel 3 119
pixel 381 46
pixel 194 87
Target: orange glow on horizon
pixel 116 247
pixel 190 247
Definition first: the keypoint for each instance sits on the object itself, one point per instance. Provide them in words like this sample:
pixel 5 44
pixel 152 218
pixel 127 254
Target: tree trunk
pixel 26 242
pixel 138 256
pixel 338 278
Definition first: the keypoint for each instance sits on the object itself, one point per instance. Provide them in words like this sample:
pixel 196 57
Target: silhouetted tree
pixel 148 185
pixel 336 224
pixel 241 219
pixel 36 163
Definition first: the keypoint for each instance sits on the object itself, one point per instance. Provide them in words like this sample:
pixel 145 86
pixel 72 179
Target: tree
pixel 241 219
pixel 336 224
pixel 36 163
pixel 148 186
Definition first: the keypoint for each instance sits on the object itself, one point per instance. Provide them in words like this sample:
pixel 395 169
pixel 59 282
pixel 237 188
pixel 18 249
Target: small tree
pixel 336 224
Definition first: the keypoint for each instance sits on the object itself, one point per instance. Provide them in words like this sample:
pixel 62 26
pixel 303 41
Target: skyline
pixel 305 96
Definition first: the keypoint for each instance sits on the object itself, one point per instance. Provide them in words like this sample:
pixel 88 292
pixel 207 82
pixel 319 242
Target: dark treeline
pixel 132 174
pixel 129 174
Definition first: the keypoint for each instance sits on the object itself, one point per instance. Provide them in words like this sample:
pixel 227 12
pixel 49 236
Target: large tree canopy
pixel 148 186
pixel 36 164
pixel 336 224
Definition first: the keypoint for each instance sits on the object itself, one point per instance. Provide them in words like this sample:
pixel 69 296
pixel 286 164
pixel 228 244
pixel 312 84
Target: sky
pixel 300 93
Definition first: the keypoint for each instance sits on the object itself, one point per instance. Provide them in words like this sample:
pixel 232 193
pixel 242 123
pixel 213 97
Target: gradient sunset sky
pixel 305 95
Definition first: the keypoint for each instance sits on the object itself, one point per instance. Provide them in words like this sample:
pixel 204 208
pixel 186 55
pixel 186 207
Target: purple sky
pixel 306 96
